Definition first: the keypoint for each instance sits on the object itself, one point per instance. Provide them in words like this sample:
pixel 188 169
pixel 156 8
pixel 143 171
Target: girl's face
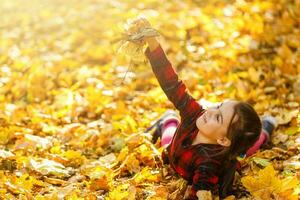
pixel 214 122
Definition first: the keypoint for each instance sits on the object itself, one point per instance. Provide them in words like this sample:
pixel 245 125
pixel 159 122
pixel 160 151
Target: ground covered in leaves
pixel 73 125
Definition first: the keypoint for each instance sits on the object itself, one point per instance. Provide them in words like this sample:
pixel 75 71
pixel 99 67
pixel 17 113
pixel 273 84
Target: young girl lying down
pixel 203 145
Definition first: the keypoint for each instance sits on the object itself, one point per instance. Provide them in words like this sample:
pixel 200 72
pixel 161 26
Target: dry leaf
pixel 267 184
pixel 204 195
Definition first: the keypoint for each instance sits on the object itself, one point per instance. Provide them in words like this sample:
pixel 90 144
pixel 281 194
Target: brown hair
pixel 243 133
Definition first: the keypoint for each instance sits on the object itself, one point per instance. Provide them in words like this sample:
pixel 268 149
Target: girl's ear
pixel 224 141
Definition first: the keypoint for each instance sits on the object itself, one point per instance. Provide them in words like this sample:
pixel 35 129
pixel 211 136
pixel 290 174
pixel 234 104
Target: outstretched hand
pixel 137 33
pixel 141 32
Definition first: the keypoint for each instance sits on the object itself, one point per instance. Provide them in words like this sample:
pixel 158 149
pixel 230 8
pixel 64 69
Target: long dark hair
pixel 242 133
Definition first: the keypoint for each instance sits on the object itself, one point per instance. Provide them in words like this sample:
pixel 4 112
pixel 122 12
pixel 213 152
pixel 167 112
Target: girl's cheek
pixel 198 123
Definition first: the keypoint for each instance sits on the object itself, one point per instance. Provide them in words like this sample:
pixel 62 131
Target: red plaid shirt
pixel 195 163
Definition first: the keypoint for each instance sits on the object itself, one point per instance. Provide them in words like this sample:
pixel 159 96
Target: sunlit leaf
pixel 267 184
pixel 49 167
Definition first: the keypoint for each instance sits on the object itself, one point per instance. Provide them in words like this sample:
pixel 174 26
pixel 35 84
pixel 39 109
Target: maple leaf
pixel 267 185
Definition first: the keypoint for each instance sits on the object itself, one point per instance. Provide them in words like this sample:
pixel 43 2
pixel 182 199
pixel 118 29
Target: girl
pixel 202 147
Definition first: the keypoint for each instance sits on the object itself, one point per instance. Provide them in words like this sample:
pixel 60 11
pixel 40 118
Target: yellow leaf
pixel 266 184
pixel 147 175
pixel 119 193
pixel 132 164
pixel 292 130
pixel 161 193
pixel 74 157
pixel 4 135
pixel 231 197
pixel 289 183
pixel 100 184
pixel 285 116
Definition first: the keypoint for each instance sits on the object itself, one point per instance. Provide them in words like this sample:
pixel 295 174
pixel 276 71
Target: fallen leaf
pixel 6 154
pixel 49 167
pixel 261 161
pixel 267 184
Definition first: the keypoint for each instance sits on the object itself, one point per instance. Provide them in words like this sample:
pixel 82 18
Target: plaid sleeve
pixel 174 88
pixel 204 179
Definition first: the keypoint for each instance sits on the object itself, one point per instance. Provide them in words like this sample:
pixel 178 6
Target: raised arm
pixel 174 88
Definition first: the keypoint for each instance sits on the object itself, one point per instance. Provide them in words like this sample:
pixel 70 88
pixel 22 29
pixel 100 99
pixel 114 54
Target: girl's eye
pixel 217 107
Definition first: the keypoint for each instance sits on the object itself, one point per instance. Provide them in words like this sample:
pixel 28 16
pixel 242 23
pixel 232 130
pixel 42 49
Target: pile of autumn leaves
pixel 73 127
